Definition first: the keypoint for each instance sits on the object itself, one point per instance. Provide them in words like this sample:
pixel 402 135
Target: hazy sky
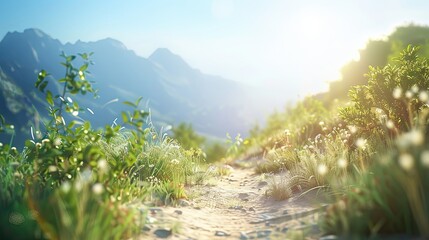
pixel 293 46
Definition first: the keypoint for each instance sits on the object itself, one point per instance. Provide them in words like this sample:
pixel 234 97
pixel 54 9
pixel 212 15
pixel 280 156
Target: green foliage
pixel 374 160
pixel 293 127
pixel 234 145
pixel 378 53
pixel 393 97
pixel 215 152
pixel 87 177
pixel 187 137
pixel 79 210
pixel 390 197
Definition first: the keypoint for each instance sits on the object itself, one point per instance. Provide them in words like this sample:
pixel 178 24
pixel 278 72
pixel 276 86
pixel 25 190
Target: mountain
pixel 173 90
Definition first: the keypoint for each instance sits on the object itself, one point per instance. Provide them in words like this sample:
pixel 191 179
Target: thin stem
pixel 64 91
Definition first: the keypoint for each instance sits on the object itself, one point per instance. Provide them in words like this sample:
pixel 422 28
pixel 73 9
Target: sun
pixel 312 23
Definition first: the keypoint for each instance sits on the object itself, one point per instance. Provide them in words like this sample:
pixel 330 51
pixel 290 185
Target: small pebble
pixel 154 211
pixel 243 236
pixel 222 234
pixel 178 212
pixel 163 233
pixel 146 228
pixel 263 234
pixel 150 219
pixel 184 203
pixel 243 195
pixel 329 237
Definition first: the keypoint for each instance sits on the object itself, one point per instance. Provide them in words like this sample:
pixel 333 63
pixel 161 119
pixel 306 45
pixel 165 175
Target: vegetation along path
pixel 235 206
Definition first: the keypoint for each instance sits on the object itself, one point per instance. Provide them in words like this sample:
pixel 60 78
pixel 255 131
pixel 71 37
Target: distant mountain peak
pixel 168 60
pixel 33 35
pixel 35 32
pixel 112 42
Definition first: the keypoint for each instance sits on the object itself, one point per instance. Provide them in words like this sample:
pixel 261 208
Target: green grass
pixel 371 155
pixel 75 182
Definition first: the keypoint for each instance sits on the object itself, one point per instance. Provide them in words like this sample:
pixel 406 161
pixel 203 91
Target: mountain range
pixel 172 90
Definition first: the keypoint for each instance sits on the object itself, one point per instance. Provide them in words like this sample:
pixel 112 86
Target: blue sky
pixel 294 47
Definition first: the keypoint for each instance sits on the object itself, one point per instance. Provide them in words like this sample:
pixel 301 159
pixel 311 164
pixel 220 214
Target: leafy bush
pixel 393 98
pixel 390 195
pixel 187 137
pixel 72 181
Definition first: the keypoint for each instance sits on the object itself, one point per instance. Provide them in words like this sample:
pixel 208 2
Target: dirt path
pixel 236 207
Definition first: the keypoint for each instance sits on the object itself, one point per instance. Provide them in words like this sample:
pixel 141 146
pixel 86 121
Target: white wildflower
pixel 424 96
pixel 409 94
pixel 65 187
pixel 353 129
pixel 390 124
pixel 415 89
pixel 103 165
pixel 322 169
pixel 75 113
pixel 52 168
pixel 342 163
pixel 397 92
pixel 406 161
pixel 97 188
pixel 57 141
pixel 413 137
pixel 361 143
pixel 321 123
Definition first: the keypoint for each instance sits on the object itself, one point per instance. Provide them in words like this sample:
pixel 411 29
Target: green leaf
pixel 84 56
pixel 70 58
pixel 129 104
pixel 49 98
pixel 83 67
pixel 138 101
pixel 136 114
pixel 43 85
pixel 124 117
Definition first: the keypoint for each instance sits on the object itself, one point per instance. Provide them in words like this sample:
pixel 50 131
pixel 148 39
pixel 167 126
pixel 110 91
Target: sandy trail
pixel 236 207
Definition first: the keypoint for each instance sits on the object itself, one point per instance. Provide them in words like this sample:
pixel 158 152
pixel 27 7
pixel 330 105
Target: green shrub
pixel 391 197
pixel 393 98
pixel 390 194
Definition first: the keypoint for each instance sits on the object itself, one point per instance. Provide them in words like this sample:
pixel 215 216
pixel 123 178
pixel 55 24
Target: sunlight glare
pixel 312 24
